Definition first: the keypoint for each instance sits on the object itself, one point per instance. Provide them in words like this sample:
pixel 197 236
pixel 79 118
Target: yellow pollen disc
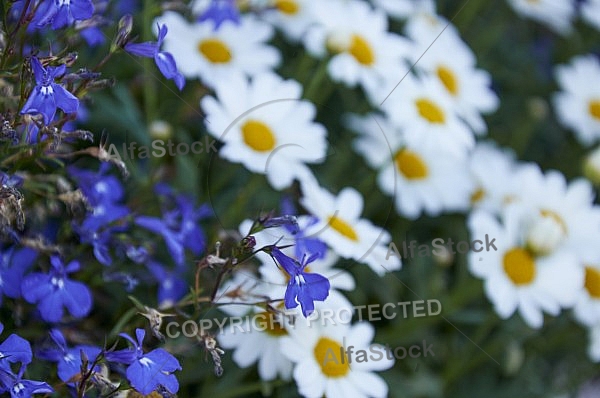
pixel 556 218
pixel 430 111
pixel 272 328
pixel 449 79
pixel 343 228
pixel 215 51
pixel 328 355
pixel 592 282
pixel 519 265
pixel 595 109
pixel 361 50
pixel 477 195
pixel 288 7
pixel 258 136
pixel 411 165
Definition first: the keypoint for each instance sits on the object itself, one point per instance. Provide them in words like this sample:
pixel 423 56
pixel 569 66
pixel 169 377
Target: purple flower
pixel 14 349
pixel 13 264
pixel 303 288
pixel 47 95
pixel 164 60
pixel 146 372
pixel 220 11
pixel 54 290
pixel 68 359
pixel 19 388
pixel 64 12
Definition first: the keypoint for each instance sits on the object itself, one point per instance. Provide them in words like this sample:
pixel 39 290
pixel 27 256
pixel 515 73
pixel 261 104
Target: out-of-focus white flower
pixel 591 166
pixel 365 53
pixel 215 55
pixel 266 126
pixel 321 370
pixel 424 111
pixel 341 227
pixel 590 11
pixel 578 104
pixel 422 177
pixel 292 17
pixel 493 170
pixel 515 278
pixel 555 14
pixel 451 61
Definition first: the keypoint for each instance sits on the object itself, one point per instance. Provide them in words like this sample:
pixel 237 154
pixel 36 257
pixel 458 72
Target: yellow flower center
pixel 554 216
pixel 519 265
pixel 258 136
pixel 288 7
pixel 449 79
pixel 592 281
pixel 430 111
pixel 272 328
pixel 478 195
pixel 328 355
pixel 343 228
pixel 215 51
pixel 595 109
pixel 361 50
pixel 411 165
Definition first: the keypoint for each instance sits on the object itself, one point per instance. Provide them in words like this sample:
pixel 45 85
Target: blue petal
pixel 35 287
pixel 26 388
pixel 77 298
pixel 289 264
pixel 306 301
pixel 81 9
pixel 64 99
pixel 290 295
pixel 51 307
pixel 16 349
pixel 317 285
pixel 40 103
pixel 38 70
pixel 147 49
pixel 142 378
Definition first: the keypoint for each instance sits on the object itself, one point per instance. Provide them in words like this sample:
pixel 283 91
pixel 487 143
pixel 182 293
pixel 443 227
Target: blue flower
pixel 164 60
pixel 146 372
pixel 19 388
pixel 68 359
pixel 62 13
pixel 14 349
pixel 171 286
pixel 178 226
pixel 13 264
pixel 47 95
pixel 54 291
pixel 303 288
pixel 220 11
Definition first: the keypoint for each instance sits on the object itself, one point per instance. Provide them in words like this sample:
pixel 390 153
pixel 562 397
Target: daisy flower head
pixel 342 228
pixel 493 171
pixel 587 306
pixel 322 370
pixel 364 52
pixel 215 55
pixel 424 110
pixel 292 17
pixel 590 11
pixel 516 278
pixel 421 177
pixel 556 14
pixel 265 126
pixel 451 61
pixel 578 103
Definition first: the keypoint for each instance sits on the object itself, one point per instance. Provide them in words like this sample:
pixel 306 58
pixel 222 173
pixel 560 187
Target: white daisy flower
pixel 421 177
pixel 558 15
pixel 425 112
pixel 341 227
pixel 591 166
pixel 514 278
pixel 319 370
pixel 590 11
pixel 364 51
pixel 292 17
pixel 259 343
pixel 425 26
pixel 266 127
pixel 453 63
pixel 578 104
pixel 493 170
pixel 561 215
pixel 215 55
